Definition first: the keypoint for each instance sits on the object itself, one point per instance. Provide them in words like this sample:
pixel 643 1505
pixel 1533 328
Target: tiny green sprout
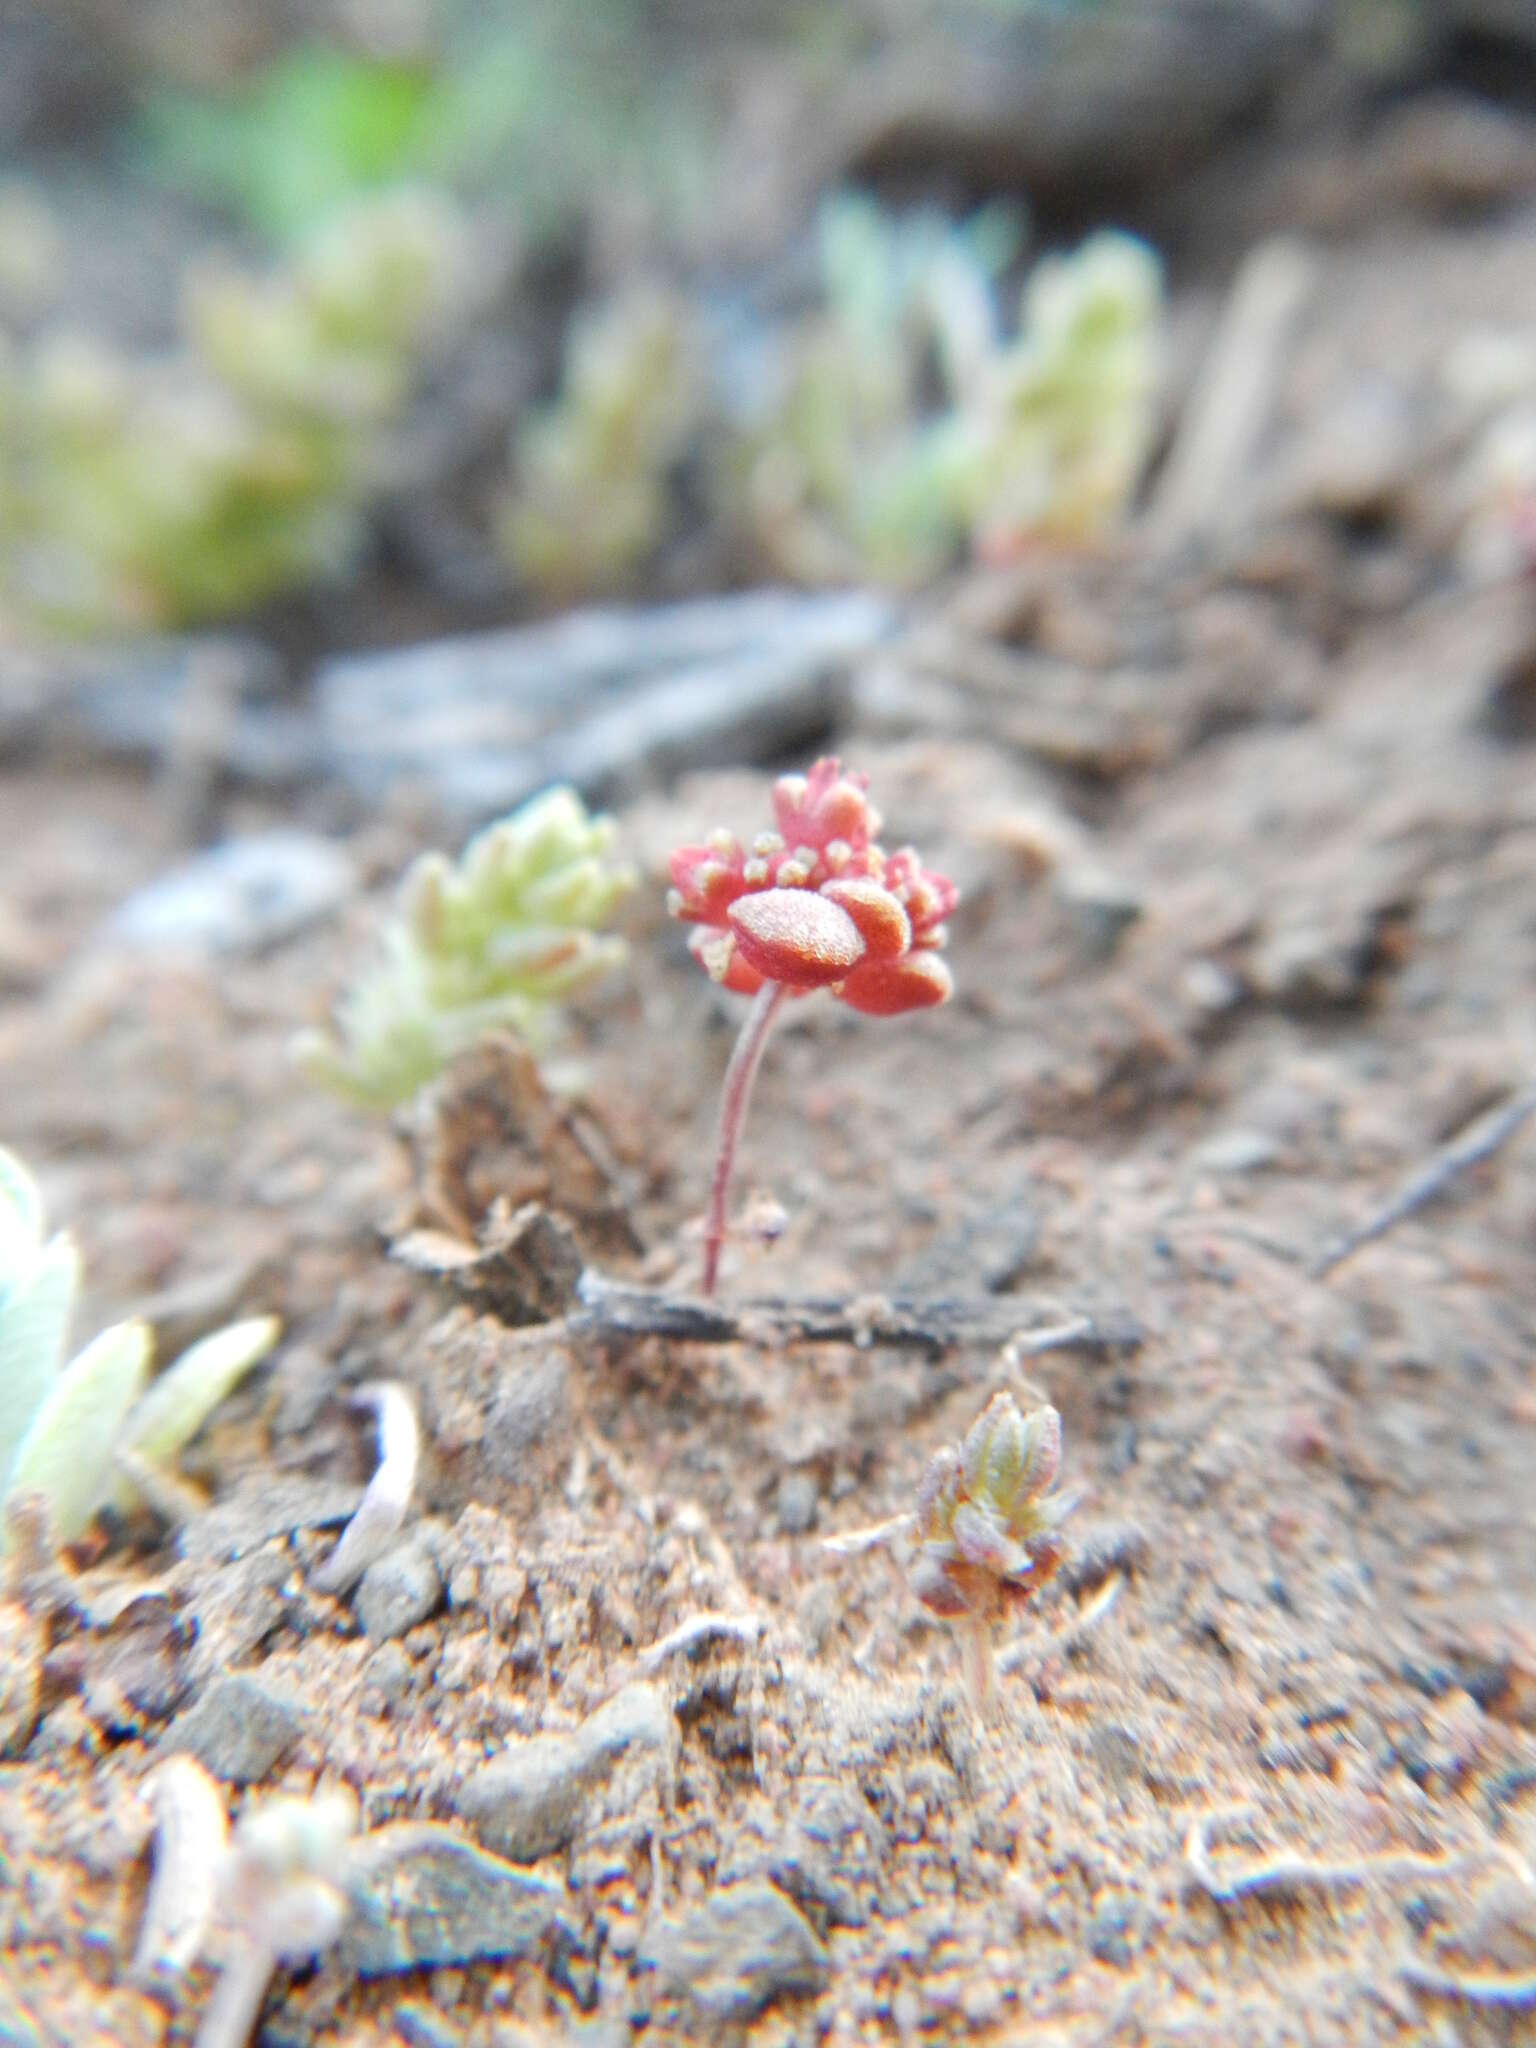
pixel 987 1527
pixel 495 942
pixel 593 497
pixel 75 1433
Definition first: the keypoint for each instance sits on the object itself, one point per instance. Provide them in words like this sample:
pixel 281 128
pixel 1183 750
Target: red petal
pixel 796 936
pixel 826 804
pixel 708 880
pixel 885 988
pixel 883 925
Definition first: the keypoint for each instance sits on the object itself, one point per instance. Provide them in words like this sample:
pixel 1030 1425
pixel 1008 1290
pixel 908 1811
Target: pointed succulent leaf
pixel 180 1401
pixel 935 1586
pixel 982 1540
pixel 21 1219
pixel 1040 1453
pixel 34 1323
pixel 66 1455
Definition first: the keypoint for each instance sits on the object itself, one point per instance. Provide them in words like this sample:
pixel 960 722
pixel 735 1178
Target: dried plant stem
pixel 236 2004
pixel 739 1076
pixel 1289 1871
pixel 980 1665
pixel 1474 1145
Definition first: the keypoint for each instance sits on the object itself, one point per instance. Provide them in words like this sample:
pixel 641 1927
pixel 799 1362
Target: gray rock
pixel 1101 907
pixel 387 1679
pixel 238 1728
pixel 422 1898
pixel 215 698
pixel 399 1589
pixel 744 1947
pixel 529 1802
pixel 797 1503
pixel 1114 1929
pixel 602 698
pixel 241 897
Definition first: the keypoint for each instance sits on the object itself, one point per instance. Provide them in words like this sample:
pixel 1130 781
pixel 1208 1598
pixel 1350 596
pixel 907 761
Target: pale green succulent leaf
pixel 21 1219
pixel 34 1323
pixel 66 1454
pixel 182 1398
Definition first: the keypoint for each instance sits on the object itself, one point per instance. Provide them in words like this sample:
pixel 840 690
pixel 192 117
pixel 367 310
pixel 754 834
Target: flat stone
pixel 241 897
pixel 399 1589
pixel 529 1802
pixel 238 1728
pixel 744 1947
pixel 423 1898
pixel 603 697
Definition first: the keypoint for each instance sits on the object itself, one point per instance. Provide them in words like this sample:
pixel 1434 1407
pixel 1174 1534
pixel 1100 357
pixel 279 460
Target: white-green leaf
pixel 180 1401
pixel 34 1322
pixel 21 1220
pixel 66 1455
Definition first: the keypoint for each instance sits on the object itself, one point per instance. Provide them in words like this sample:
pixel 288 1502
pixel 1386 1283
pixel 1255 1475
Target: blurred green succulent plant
pixel 496 941
pixel 75 1433
pixel 851 472
pixel 161 493
pixel 1060 426
pixel 592 499
pixel 908 427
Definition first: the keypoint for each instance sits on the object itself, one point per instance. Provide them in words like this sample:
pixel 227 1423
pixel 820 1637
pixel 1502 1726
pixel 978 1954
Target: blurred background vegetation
pixel 498 306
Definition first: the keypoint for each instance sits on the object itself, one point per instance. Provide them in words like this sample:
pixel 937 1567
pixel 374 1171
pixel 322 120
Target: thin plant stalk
pixel 979 1665
pixel 739 1076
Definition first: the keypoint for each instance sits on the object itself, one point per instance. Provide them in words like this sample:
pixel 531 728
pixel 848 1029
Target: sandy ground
pixel 1232 965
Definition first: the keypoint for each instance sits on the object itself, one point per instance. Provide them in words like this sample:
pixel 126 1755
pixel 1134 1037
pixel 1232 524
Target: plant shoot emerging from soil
pixel 987 1526
pixel 814 904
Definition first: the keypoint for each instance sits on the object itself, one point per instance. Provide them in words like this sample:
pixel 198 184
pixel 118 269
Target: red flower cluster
pixel 817 904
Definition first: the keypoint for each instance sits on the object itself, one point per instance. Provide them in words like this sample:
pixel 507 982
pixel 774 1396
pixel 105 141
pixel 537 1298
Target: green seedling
pixel 988 1524
pixel 593 496
pixel 76 1433
pixel 163 492
pixel 495 942
pixel 1061 422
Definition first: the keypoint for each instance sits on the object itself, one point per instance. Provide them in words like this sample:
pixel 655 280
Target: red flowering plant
pixel 814 904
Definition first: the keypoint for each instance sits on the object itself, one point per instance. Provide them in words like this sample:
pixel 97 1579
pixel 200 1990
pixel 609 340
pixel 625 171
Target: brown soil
pixel 1310 1499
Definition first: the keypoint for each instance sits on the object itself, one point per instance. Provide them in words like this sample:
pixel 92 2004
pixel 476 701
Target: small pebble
pixel 398 1590
pixel 797 1504
pixel 237 1728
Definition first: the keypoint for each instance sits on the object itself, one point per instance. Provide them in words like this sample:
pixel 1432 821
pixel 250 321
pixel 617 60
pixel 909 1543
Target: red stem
pixel 739 1076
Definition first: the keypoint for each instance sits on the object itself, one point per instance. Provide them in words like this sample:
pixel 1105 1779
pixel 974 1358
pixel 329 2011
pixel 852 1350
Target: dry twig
pixel 1289 1871
pixel 1478 1142
pixel 612 1312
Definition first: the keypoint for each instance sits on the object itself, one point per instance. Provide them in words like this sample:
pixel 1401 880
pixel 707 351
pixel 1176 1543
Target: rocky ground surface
pixel 1247 835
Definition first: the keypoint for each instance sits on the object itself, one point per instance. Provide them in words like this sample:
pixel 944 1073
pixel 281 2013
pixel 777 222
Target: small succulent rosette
pixel 987 1518
pixel 817 903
